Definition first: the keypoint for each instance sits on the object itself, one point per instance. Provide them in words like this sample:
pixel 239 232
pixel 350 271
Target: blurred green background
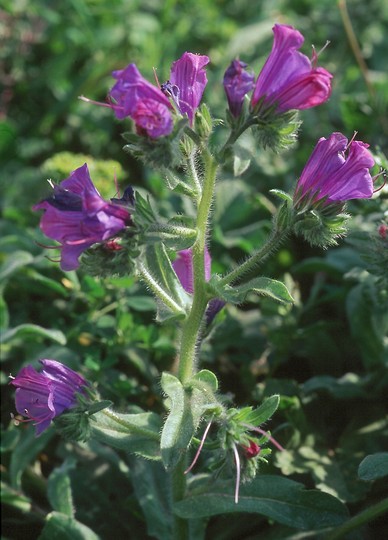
pixel 326 356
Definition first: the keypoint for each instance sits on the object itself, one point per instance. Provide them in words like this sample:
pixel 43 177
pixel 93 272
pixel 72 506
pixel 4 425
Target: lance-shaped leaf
pixel 136 433
pixel 59 488
pixel 159 275
pixel 64 527
pixel 258 416
pixel 261 285
pixel 187 406
pixel 278 498
pixel 373 467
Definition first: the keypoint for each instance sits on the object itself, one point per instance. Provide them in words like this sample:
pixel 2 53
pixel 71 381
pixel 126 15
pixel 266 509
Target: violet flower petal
pixel 189 76
pixel 288 77
pixel 237 83
pixel 78 217
pixel 337 171
pixel 43 396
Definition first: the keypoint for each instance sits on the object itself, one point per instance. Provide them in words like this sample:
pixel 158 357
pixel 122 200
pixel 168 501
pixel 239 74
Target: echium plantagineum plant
pixel 172 132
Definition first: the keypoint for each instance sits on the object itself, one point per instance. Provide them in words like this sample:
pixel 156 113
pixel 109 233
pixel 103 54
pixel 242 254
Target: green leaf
pixel 61 527
pixel 152 488
pixel 59 488
pixel 25 452
pixel 278 498
pixel 135 433
pixel 373 467
pixel 208 378
pixel 282 195
pixel 13 262
pixel 24 330
pixel 4 313
pixel 14 498
pixel 261 414
pixel 362 308
pixel 179 426
pixel 241 159
pixel 187 406
pixel 262 286
pixel 162 273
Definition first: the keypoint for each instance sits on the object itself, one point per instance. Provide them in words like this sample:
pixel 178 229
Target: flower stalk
pixel 192 326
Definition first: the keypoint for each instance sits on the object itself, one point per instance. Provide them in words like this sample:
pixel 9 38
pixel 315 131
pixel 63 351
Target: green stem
pixel 192 326
pixel 180 526
pixel 234 135
pixel 273 243
pixel 360 519
pixel 191 330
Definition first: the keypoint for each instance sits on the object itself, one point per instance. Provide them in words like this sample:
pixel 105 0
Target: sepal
pixel 275 131
pixel 262 286
pixel 160 153
pixel 75 423
pixel 203 122
pixel 115 257
pixel 322 226
pixel 285 215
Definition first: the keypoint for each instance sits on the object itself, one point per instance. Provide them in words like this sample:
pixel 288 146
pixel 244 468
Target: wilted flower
pixel 43 396
pixel 78 217
pixel 336 171
pixel 143 102
pixel 187 82
pixel 289 79
pixel 237 83
pixel 183 266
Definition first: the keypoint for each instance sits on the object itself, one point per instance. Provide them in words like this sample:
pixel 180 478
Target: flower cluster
pixel 150 107
pixel 288 80
pixel 43 396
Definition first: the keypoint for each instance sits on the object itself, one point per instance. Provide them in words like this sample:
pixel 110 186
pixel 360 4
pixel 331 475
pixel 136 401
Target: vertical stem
pixel 192 327
pixel 180 526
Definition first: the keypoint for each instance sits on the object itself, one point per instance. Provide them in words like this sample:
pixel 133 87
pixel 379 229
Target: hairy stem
pixel 192 326
pixel 273 243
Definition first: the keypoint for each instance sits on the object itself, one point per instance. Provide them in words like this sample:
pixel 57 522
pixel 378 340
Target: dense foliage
pixel 326 355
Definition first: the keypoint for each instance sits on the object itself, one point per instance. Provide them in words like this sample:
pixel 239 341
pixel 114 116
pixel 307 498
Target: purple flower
pixel 187 82
pixel 78 217
pixel 289 79
pixel 183 267
pixel 237 83
pixel 337 171
pixel 45 395
pixel 143 102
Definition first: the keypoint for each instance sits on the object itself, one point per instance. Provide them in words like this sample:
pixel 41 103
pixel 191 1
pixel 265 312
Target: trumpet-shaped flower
pixel 142 101
pixel 237 83
pixel 336 172
pixel 289 80
pixel 41 396
pixel 187 82
pixel 78 217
